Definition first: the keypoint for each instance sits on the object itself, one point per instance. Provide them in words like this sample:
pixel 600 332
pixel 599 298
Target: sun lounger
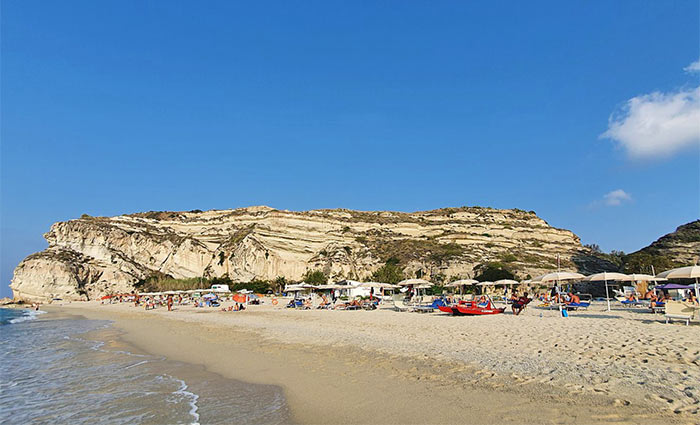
pixel 679 310
pixel 576 306
pixel 399 304
pixel 657 307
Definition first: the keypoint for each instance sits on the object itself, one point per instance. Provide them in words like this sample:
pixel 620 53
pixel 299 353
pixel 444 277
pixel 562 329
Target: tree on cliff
pixel 390 272
pixel 315 277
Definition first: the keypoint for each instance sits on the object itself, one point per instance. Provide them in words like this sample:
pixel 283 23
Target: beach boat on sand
pixel 473 307
pixel 452 309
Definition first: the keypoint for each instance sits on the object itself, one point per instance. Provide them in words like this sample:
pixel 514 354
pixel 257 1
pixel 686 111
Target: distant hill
pixel 676 249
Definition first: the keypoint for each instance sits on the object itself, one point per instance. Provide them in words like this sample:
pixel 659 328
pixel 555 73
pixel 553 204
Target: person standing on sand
pixel 170 303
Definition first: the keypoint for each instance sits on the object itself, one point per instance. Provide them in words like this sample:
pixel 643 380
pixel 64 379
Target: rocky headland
pixel 91 256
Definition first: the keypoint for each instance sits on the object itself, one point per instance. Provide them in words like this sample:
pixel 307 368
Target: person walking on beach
pixel 170 303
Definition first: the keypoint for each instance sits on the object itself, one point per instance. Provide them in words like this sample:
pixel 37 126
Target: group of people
pixel 330 303
pixel 235 307
pixel 659 301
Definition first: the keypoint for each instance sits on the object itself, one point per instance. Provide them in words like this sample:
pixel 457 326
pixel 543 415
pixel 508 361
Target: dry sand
pixel 387 367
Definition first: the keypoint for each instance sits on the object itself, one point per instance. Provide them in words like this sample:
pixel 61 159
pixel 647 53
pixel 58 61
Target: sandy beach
pixel 384 366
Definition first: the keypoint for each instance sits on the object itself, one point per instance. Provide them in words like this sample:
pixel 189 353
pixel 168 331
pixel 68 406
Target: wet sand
pixel 388 367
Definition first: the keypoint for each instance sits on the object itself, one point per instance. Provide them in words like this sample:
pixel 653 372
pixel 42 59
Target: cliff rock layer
pixel 91 256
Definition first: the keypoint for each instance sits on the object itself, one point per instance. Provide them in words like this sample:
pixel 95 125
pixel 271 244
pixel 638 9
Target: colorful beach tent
pixel 668 286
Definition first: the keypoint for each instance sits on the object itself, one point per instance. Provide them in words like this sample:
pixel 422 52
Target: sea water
pixel 70 370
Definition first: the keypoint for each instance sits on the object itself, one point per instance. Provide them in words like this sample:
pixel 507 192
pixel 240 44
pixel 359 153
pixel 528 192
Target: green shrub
pixel 315 277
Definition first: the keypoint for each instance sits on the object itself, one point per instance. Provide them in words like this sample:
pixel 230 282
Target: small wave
pixel 28 315
pixel 136 364
pixel 182 391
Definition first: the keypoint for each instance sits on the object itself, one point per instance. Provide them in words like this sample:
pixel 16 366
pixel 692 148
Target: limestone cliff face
pixel 91 256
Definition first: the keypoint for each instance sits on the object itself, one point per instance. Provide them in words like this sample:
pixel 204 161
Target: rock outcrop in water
pixel 91 256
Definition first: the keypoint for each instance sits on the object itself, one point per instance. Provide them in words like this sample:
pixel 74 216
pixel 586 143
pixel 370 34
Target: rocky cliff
pixel 91 256
pixel 676 249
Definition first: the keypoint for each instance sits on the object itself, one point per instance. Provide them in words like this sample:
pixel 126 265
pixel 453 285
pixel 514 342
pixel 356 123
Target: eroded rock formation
pixel 91 256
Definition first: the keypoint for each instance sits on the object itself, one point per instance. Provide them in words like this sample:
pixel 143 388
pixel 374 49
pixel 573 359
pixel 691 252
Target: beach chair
pixel 655 308
pixel 679 310
pixel 399 304
pixel 575 306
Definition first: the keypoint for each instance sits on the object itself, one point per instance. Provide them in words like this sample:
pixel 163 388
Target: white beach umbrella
pixel 508 282
pixel 462 282
pixel 690 272
pixel 558 277
pixel 414 282
pixel 330 286
pixel 605 277
pixel 486 283
pixel 378 285
pixel 636 277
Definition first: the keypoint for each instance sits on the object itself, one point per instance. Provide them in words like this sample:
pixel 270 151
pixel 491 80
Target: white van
pixel 220 288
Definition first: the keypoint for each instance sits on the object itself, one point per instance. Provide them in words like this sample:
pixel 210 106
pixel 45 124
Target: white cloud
pixel 657 124
pixel 616 198
pixel 693 67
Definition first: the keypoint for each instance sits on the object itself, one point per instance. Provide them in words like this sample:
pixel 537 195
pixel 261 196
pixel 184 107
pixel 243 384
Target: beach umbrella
pixel 485 283
pixel 509 282
pixel 690 272
pixel 558 277
pixel 506 282
pixel 461 283
pixel 331 286
pixel 605 277
pixel 373 285
pixel 637 277
pixel 414 282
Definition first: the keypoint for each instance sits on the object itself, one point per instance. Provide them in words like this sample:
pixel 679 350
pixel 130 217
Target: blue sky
pixel 114 107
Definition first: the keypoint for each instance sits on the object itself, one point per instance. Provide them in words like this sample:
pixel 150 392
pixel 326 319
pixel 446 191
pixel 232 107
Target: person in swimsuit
pixel 573 299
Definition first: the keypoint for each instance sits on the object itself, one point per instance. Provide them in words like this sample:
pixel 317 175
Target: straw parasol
pixel 690 272
pixel 605 277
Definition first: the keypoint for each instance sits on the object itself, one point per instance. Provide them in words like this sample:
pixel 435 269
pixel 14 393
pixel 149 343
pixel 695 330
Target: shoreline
pixel 350 377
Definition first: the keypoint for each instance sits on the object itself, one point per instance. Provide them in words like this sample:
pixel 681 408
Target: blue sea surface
pixel 73 370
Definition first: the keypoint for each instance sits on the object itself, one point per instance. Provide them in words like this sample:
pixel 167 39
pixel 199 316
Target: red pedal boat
pixel 452 309
pixel 477 307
